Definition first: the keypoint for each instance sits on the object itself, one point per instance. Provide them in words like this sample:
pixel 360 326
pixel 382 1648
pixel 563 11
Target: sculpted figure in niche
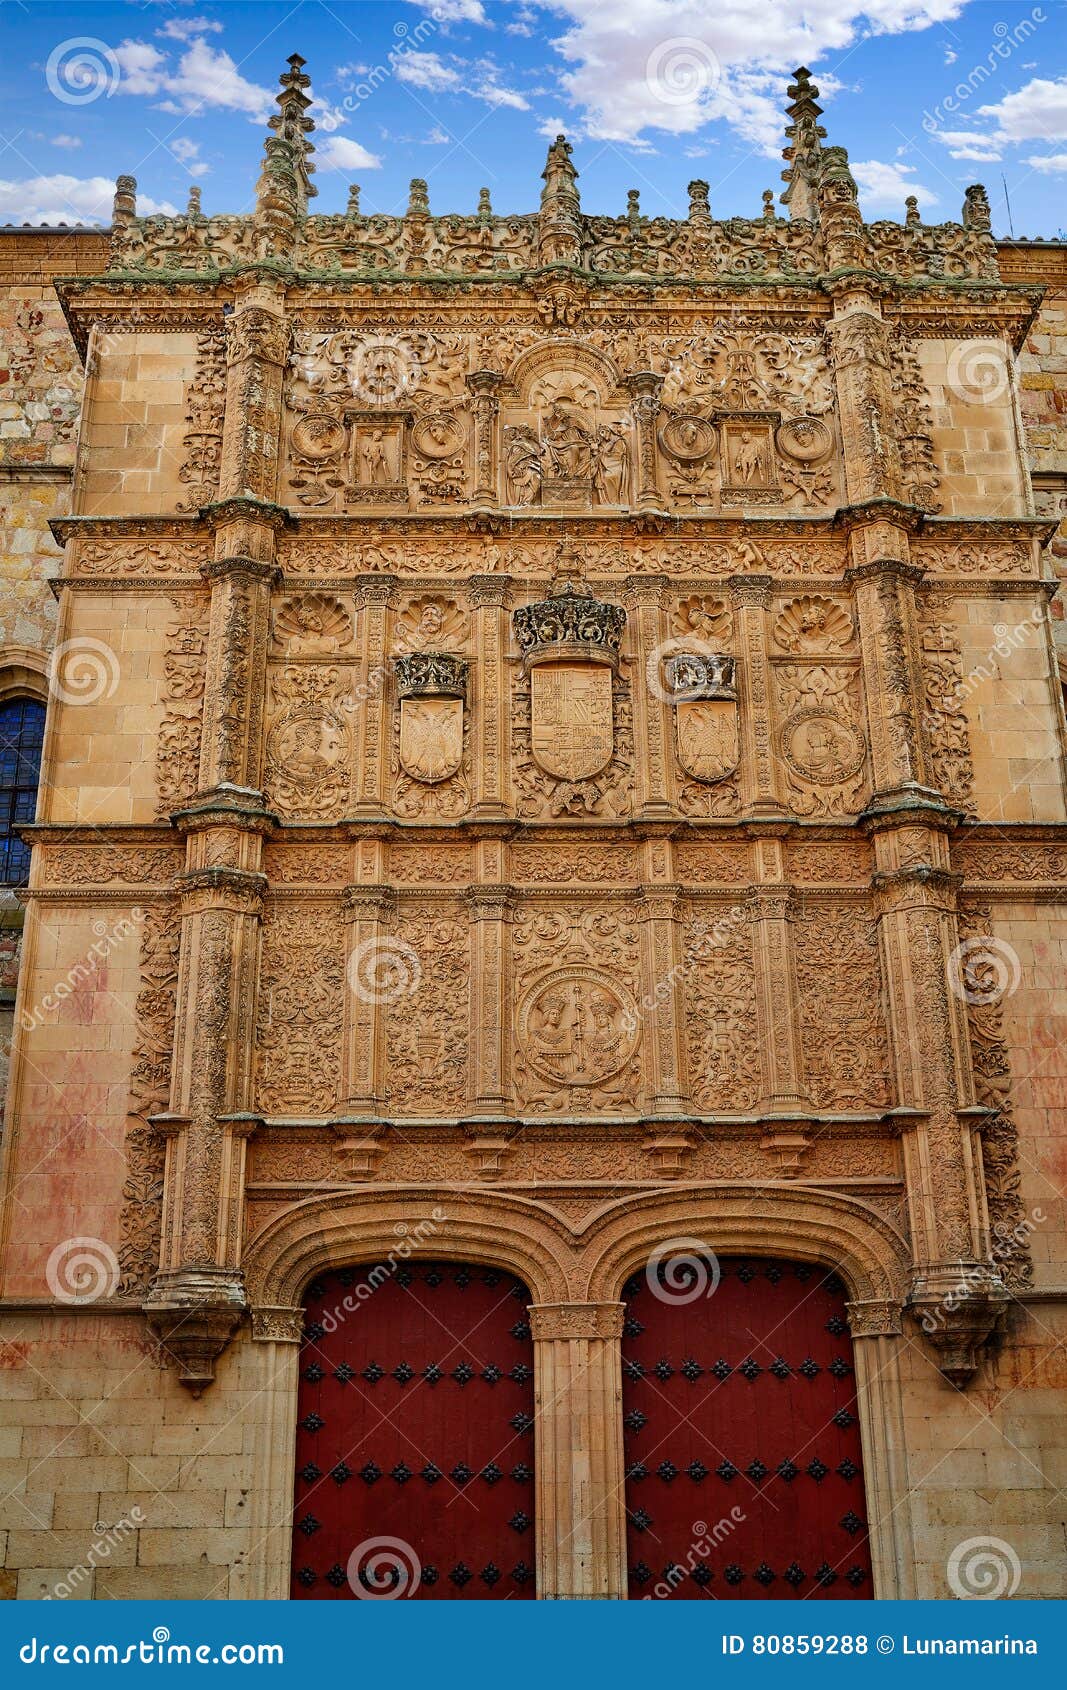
pixel 567 444
pixel 375 455
pixel 522 467
pixel 748 460
pixel 611 469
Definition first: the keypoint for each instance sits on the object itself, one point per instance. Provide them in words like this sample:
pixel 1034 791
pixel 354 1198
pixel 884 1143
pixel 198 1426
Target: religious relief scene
pixel 533 875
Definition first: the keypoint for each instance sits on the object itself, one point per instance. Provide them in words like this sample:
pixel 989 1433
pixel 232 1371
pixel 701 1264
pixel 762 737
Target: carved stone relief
pixel 721 1029
pixel 181 728
pixel 142 1191
pixel 427 1028
pixel 846 1056
pixel 301 1000
pixel 309 743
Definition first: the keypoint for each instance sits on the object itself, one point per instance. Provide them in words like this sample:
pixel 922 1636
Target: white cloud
pixel 339 153
pixel 70 141
pixel 427 70
pixel 68 199
pixel 676 65
pixel 453 11
pixel 889 184
pixel 951 55
pixel 206 76
pixel 187 152
pixel 1051 162
pixel 182 29
pixel 479 80
pixel 1037 111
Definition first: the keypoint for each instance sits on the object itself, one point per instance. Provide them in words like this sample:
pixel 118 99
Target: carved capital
pixel 366 903
pixel 231 889
pixel 278 1325
pixel 556 1321
pixel 874 1317
pixel 490 903
pixel 750 592
pixel 489 592
pixel 253 569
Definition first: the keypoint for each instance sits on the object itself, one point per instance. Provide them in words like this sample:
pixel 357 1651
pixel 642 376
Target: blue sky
pixel 927 95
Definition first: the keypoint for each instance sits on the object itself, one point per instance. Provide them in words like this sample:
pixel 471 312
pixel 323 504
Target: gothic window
pixel 21 739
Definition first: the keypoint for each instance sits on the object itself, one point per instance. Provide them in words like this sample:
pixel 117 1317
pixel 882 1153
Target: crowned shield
pixel 572 726
pixel 431 738
pixel 707 737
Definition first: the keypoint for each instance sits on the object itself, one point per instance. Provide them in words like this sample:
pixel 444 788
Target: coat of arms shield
pixel 707 737
pixel 571 717
pixel 431 738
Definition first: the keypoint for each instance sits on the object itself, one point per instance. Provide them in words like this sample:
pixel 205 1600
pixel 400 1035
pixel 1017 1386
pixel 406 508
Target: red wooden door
pixel 414 1450
pixel 743 1466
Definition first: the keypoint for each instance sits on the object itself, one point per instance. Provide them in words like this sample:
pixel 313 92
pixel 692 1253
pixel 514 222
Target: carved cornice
pixel 874 1317
pixel 217 569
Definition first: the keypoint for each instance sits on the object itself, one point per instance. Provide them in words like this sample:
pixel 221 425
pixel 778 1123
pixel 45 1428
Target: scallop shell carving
pixel 431 623
pixel 312 622
pixel 813 623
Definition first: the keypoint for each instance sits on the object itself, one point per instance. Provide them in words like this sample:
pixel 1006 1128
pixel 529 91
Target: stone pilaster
pixel 232 747
pixel 581 1510
pixel 490 907
pixel 197 1298
pixel 751 595
pixel 785 1099
pixel 955 1289
pixel 368 913
pixel 662 998
pixel 645 389
pixel 884 598
pixel 374 599
pixel 646 599
pixel 875 1325
pixel 257 342
pixel 482 385
pixel 859 348
pixel 490 596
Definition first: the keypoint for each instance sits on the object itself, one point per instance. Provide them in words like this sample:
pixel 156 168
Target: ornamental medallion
pixel 577 1028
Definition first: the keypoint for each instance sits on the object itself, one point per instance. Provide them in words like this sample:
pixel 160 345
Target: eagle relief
pixel 706 728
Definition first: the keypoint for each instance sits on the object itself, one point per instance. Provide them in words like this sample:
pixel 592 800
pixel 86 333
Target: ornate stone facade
pixel 582 733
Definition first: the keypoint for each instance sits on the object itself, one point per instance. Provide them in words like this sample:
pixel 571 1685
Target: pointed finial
pixel 418 198
pixel 124 205
pixel 911 212
pixel 559 220
pixel 699 204
pixel 192 210
pixel 804 134
pixel 352 208
pixel 768 204
pixel 485 206
pixel 633 207
pixel 291 126
pixel 976 213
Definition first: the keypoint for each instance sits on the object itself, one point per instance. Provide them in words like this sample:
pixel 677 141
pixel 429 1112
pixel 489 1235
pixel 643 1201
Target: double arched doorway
pixel 735 1411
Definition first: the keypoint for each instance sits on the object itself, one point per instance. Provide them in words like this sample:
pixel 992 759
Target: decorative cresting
pixel 432 688
pixel 707 732
pixel 570 644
